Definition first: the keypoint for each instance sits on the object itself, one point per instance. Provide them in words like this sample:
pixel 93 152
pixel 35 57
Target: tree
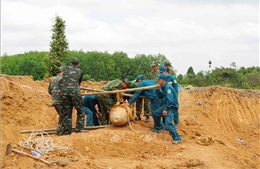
pixel 233 65
pixel 179 78
pixel 58 48
pixel 210 64
pixel 190 72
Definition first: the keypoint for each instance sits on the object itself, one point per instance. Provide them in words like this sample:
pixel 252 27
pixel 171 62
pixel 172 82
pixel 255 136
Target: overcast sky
pixel 188 32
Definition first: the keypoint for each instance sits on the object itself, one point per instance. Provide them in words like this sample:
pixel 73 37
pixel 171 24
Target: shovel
pixel 9 149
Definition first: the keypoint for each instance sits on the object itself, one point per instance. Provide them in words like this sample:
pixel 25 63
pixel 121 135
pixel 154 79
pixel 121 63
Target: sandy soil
pixel 209 130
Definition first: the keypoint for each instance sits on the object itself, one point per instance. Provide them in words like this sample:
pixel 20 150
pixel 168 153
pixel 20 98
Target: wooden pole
pixel 97 90
pixel 90 89
pixel 131 95
pixel 118 91
pixel 53 129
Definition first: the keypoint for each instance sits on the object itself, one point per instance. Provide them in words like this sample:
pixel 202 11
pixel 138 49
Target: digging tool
pixel 9 149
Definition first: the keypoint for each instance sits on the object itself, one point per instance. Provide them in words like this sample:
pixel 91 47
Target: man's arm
pixel 50 87
pixel 136 94
pixel 81 77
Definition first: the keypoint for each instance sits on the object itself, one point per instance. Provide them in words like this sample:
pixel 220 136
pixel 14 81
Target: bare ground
pixel 210 132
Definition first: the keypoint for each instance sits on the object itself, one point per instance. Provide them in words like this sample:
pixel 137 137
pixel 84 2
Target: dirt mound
pixel 219 127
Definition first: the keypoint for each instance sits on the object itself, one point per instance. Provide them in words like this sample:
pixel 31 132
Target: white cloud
pixel 188 33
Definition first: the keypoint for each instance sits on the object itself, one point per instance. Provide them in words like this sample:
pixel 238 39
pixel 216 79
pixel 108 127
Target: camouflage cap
pixel 125 80
pixel 74 60
pixel 167 63
pixel 155 64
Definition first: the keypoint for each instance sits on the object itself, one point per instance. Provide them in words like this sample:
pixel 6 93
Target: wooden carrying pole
pixel 97 90
pixel 119 91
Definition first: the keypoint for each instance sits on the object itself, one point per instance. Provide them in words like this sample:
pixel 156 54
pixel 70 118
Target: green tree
pixel 190 75
pixel 210 63
pixel 233 65
pixel 190 71
pixel 58 48
pixel 179 78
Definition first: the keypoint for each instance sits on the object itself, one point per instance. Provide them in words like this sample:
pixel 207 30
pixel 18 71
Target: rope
pixel 26 86
pixel 42 143
pixel 129 117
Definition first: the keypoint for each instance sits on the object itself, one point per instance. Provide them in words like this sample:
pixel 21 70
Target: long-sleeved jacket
pixel 90 102
pixel 72 77
pixel 169 96
pixel 171 78
pixel 150 93
pixel 154 76
pixel 112 85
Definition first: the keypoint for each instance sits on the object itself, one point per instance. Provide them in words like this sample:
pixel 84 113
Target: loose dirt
pixel 219 127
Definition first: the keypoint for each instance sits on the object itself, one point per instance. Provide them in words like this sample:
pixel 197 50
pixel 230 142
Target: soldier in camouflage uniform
pixel 139 104
pixel 54 91
pixel 169 67
pixel 155 73
pixel 70 94
pixel 107 101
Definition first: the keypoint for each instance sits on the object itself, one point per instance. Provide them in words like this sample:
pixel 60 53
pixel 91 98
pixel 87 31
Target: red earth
pixel 221 132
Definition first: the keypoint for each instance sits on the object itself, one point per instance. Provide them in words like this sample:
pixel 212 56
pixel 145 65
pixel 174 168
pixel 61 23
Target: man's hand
pixel 121 94
pixel 128 104
pixel 158 87
pixel 164 113
pixel 99 115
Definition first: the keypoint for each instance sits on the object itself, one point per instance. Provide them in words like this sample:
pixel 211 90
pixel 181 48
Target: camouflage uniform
pixel 107 101
pixel 54 91
pixel 154 76
pixel 169 67
pixel 70 94
pixel 139 102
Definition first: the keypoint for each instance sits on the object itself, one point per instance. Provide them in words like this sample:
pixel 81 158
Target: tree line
pixel 100 66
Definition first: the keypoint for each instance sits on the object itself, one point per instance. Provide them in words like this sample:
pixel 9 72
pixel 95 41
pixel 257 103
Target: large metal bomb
pixel 120 115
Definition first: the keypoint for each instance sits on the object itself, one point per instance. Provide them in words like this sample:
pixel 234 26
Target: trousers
pixel 68 103
pixel 58 108
pixel 155 105
pixel 89 119
pixel 168 122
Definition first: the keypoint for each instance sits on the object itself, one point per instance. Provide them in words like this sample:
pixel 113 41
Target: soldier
pixel 107 101
pixel 169 67
pixel 71 97
pixel 139 104
pixel 54 91
pixel 172 79
pixel 89 103
pixel 155 73
pixel 150 94
pixel 169 109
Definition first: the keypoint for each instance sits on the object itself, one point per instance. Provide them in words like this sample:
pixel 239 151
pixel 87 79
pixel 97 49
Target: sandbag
pixel 120 115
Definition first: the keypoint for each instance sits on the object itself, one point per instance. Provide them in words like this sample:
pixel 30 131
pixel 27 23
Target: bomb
pixel 120 115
